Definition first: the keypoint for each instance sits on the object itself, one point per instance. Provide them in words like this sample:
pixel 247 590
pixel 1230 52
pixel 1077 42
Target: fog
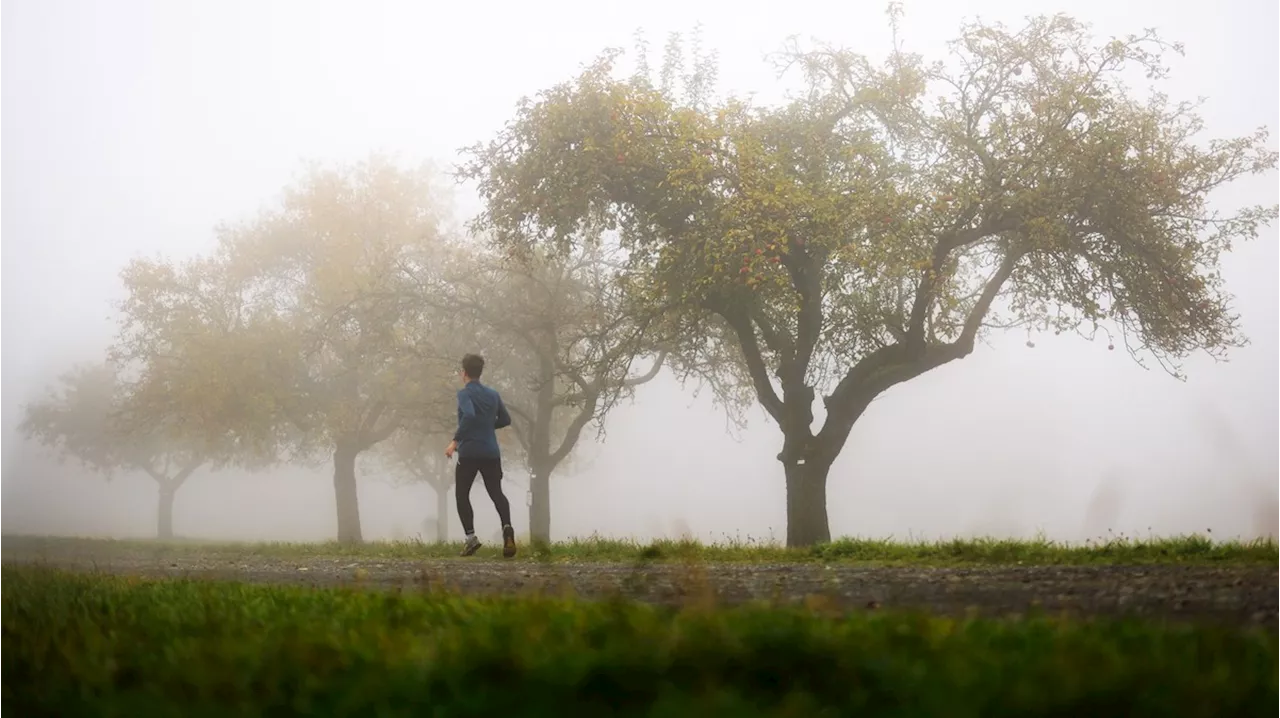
pixel 132 128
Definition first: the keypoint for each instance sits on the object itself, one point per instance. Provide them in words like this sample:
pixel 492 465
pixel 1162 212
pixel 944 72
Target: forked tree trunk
pixel 807 503
pixel 442 512
pixel 344 493
pixel 168 486
pixel 540 506
pixel 164 513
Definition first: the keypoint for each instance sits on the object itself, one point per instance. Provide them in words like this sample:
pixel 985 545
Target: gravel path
pixel 1239 595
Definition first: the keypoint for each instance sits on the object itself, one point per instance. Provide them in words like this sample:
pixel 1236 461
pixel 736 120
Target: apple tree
pixel 873 228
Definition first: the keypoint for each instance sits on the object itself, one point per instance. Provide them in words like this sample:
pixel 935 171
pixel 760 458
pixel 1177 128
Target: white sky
pixel 131 128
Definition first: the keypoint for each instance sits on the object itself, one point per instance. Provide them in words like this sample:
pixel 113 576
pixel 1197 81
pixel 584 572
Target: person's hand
pixel 448 450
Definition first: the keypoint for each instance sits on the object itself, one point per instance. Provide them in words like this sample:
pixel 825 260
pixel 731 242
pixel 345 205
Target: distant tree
pixel 303 343
pixel 561 340
pixel 870 231
pixel 86 418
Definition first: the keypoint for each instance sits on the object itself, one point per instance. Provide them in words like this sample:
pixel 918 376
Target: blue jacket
pixel 480 414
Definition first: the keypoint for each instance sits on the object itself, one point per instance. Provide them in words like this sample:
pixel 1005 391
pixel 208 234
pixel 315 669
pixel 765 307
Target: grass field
pixel 958 552
pixel 76 644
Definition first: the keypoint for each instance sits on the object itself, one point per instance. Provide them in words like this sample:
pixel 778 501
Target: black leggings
pixel 490 471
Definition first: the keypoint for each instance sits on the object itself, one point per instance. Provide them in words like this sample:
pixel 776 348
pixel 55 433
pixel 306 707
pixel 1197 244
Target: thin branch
pixel 743 327
pixel 649 375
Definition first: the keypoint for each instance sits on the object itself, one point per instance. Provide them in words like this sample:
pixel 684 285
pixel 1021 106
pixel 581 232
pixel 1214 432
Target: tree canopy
pixel 295 333
pixel 88 418
pixel 873 228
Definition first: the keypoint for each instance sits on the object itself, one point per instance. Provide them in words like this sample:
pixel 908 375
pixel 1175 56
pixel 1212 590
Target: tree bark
pixel 344 493
pixel 540 509
pixel 442 512
pixel 164 514
pixel 807 503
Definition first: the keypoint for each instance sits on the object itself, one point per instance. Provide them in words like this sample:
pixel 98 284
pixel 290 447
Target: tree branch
pixel 378 435
pixel 571 399
pixel 576 377
pixel 158 476
pixel 897 363
pixel 989 293
pixel 776 341
pixel 649 375
pixel 743 327
pixel 803 269
pixel 185 473
pixel 947 243
pixel 573 433
pixel 172 483
pixel 371 418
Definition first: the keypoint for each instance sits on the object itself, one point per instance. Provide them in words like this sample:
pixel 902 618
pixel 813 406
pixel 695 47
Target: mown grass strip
pixel 1194 549
pixel 77 644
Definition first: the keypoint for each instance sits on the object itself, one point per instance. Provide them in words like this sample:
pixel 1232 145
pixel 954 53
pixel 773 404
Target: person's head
pixel 472 367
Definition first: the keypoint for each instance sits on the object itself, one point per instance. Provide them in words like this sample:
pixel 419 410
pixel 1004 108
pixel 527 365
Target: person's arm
pixel 504 419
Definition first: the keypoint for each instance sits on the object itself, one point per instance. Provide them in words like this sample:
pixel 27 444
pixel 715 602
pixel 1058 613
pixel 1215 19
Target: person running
pixel 480 414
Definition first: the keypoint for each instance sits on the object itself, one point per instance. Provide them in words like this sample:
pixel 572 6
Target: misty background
pixel 132 128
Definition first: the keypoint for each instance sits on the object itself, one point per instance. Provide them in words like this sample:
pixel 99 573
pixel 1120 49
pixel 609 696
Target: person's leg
pixel 465 475
pixel 491 473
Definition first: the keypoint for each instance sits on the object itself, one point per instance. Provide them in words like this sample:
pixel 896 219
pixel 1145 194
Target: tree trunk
pixel 164 518
pixel 344 493
pixel 807 504
pixel 540 508
pixel 442 512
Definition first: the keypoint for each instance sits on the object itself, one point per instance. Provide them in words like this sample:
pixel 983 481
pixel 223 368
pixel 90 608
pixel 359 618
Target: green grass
pixel 981 551
pixel 76 644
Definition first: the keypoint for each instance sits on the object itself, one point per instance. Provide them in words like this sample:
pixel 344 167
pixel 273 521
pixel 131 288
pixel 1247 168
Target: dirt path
pixel 1240 595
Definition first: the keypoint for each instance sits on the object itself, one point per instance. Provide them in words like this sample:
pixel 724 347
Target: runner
pixel 480 414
